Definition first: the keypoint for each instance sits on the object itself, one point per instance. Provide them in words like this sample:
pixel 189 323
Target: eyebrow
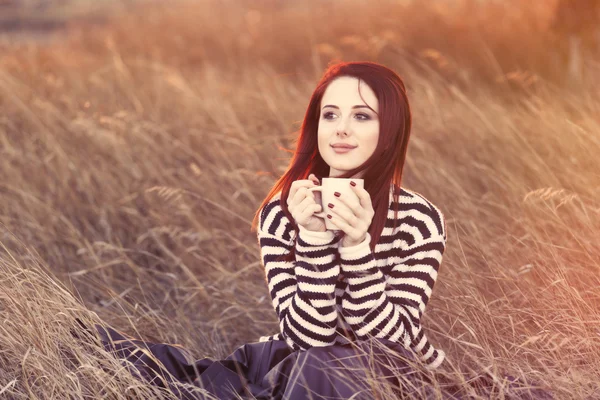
pixel 332 106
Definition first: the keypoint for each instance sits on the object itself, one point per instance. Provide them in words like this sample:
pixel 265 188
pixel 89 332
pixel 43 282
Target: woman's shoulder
pixel 409 196
pixel 272 206
pixel 272 218
pixel 413 202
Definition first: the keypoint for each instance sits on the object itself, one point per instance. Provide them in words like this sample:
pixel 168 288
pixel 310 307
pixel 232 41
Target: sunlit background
pixel 138 138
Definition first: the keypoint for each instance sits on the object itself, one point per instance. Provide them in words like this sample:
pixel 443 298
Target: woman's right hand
pixel 302 205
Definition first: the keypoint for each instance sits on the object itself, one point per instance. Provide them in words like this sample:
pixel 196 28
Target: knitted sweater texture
pixel 332 294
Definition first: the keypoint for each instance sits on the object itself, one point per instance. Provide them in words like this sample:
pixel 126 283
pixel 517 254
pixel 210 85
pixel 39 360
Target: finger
pixel 292 193
pixel 299 197
pixel 314 178
pixel 306 203
pixel 307 209
pixel 363 196
pixel 294 188
pixel 343 212
pixel 293 197
pixel 310 211
pixel 343 225
pixel 351 203
pixel 298 212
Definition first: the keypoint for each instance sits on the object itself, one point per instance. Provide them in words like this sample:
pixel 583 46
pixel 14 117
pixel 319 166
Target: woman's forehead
pixel 343 93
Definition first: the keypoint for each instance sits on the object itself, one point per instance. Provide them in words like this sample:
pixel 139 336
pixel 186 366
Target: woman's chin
pixel 343 168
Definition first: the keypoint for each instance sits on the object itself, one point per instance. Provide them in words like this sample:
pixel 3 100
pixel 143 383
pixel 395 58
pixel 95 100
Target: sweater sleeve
pixel 391 307
pixel 303 290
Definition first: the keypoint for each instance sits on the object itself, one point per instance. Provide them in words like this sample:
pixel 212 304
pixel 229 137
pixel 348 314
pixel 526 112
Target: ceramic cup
pixel 328 187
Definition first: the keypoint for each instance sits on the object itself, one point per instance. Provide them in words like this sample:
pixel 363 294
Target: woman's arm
pixel 394 312
pixel 302 291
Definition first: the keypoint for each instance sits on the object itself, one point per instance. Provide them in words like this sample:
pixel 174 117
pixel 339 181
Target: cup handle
pixel 321 214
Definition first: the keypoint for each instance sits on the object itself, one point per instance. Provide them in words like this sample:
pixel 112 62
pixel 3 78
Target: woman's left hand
pixel 353 216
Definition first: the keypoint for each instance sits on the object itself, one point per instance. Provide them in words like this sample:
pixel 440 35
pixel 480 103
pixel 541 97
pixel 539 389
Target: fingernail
pixel 337 194
pixel 328 216
pixel 330 205
pixel 352 183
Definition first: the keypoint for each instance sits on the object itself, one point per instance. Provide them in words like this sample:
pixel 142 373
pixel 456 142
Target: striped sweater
pixel 332 294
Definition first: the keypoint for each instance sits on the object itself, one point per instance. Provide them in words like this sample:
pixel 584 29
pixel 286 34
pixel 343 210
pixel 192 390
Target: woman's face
pixel 346 119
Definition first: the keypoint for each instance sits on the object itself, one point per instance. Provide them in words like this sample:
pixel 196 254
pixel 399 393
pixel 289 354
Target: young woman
pixel 373 278
pixel 343 298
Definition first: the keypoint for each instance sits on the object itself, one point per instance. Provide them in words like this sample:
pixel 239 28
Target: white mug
pixel 327 188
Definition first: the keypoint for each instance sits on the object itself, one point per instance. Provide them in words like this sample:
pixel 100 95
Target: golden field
pixel 135 152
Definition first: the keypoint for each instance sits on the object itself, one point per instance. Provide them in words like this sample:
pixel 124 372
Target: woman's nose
pixel 342 127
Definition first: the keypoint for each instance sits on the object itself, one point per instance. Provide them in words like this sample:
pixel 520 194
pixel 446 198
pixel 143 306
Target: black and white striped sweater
pixel 382 295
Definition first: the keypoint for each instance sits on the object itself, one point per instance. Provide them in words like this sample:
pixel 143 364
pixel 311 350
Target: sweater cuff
pixel 315 238
pixel 357 251
pixel 358 260
pixel 437 361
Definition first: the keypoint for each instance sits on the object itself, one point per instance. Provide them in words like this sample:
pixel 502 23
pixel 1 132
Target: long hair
pixel 385 165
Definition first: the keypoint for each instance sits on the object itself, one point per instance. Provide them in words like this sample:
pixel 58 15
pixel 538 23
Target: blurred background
pixel 138 138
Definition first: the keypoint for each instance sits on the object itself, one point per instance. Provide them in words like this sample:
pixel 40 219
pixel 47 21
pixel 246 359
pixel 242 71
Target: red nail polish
pixel 337 194
pixel 352 183
pixel 330 205
pixel 328 216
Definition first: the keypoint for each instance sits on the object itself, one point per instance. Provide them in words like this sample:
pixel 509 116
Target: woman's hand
pixel 352 216
pixel 302 205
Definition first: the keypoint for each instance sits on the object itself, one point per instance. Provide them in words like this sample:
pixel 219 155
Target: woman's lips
pixel 341 150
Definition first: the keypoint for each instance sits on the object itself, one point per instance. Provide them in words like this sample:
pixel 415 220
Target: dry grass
pixel 134 155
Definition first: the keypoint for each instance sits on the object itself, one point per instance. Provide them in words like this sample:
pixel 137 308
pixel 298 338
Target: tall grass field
pixel 135 150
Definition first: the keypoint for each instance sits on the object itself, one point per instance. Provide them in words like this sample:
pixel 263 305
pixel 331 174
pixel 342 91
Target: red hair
pixel 385 165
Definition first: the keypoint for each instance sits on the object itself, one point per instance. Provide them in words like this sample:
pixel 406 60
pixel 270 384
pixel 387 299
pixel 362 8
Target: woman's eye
pixel 363 117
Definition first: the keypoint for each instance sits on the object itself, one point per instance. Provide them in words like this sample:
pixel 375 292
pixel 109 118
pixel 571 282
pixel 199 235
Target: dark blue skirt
pixel 272 370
